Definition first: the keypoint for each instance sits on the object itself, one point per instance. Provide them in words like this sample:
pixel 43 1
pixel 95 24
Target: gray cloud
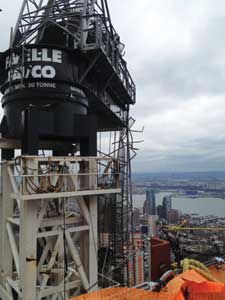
pixel 177 57
pixel 176 54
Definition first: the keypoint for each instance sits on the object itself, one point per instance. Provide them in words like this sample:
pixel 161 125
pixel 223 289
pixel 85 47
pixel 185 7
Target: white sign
pixel 17 71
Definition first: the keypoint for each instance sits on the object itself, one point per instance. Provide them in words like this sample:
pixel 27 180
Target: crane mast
pixel 65 83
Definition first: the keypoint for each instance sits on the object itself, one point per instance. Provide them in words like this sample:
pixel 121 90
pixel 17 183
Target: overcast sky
pixel 176 54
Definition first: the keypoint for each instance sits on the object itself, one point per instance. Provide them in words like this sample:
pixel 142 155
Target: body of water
pixel 201 206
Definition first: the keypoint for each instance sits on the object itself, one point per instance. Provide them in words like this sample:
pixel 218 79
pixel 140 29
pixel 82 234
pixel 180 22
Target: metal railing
pixel 101 36
pixel 65 174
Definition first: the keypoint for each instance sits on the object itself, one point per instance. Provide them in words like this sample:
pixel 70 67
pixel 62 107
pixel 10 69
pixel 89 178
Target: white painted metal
pixel 13 246
pixel 1 235
pixel 4 295
pixel 93 232
pixel 28 244
pixel 64 194
pixel 78 262
pixel 32 238
pixel 15 286
pixel 7 211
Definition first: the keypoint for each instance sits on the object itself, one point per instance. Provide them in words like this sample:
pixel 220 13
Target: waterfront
pixel 202 206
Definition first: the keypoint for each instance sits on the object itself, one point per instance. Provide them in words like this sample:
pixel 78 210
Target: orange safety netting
pixel 126 294
pixel 188 285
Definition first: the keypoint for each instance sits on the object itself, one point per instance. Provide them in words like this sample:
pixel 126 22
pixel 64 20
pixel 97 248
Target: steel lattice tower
pixel 64 79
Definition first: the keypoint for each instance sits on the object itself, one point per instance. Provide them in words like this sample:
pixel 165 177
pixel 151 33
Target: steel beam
pixel 7 211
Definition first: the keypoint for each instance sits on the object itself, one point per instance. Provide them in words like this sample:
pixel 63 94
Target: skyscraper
pixel 150 207
pixel 167 205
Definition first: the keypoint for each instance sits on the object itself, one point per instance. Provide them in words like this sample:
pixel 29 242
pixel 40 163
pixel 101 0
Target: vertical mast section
pixel 53 204
pixel 76 40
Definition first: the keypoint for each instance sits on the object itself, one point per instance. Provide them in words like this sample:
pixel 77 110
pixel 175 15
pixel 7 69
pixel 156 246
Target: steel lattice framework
pixel 35 15
pixel 86 32
pixel 86 22
pixel 48 238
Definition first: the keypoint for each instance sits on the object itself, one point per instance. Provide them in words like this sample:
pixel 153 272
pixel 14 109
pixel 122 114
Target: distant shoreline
pixel 202 204
pixel 187 196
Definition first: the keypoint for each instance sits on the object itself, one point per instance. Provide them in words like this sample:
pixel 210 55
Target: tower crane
pixel 65 84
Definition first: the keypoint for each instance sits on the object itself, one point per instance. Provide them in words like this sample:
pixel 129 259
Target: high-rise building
pixel 160 255
pixel 173 216
pixel 136 219
pixel 167 205
pixel 160 211
pixel 152 225
pixel 149 206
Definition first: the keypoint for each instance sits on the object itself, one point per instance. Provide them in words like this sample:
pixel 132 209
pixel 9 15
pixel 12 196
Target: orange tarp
pixel 127 294
pixel 188 285
pixel 192 276
pixel 219 274
pixel 206 291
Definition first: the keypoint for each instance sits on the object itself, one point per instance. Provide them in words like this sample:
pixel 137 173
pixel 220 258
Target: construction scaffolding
pixel 116 228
